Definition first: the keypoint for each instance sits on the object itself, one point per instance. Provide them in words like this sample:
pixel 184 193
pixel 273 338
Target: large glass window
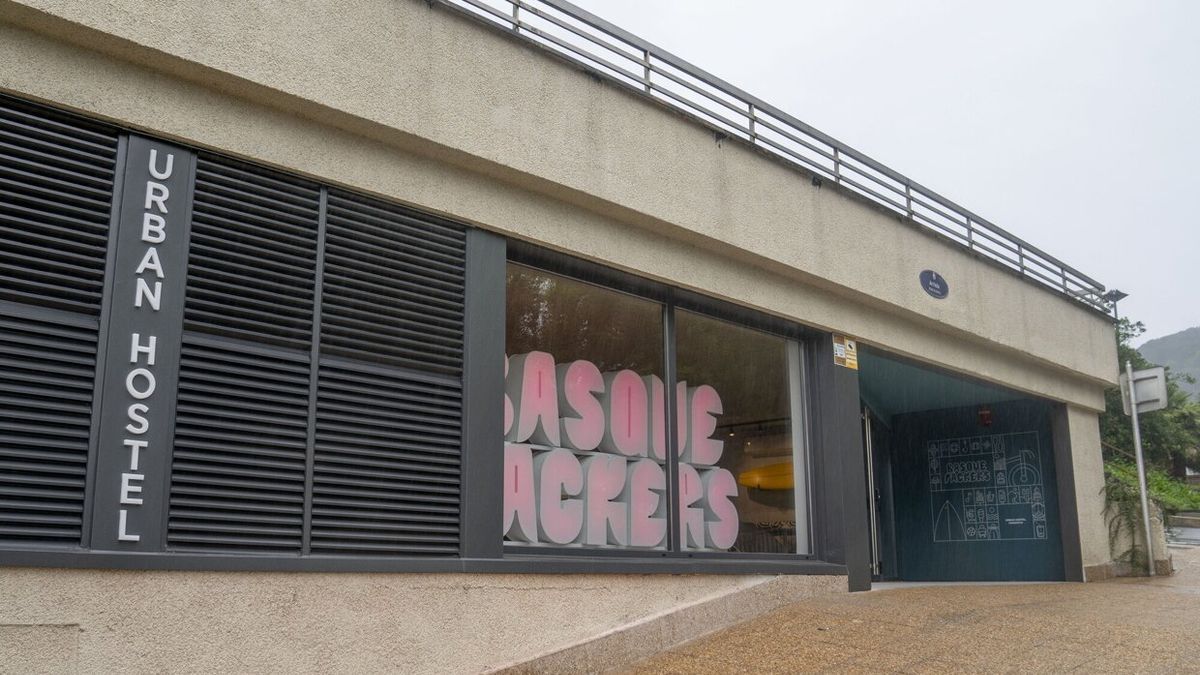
pixel 585 428
pixel 755 451
pixel 587 449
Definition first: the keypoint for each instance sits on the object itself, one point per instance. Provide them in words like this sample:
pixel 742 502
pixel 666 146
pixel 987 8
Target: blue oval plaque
pixel 935 284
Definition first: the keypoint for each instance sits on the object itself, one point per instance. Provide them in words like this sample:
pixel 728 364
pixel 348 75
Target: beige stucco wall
pixel 470 123
pixel 420 106
pixel 104 621
pixel 1124 562
pixel 1088 470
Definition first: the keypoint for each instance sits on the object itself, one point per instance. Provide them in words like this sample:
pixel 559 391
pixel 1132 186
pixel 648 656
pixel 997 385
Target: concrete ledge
pixel 152 621
pixel 1099 572
pixel 1184 520
pixel 630 643
pixel 1162 567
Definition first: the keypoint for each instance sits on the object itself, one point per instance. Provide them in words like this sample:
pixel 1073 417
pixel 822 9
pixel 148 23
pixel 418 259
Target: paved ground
pixel 1123 625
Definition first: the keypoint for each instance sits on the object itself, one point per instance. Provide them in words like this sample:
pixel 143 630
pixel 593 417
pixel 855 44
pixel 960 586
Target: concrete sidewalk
pixel 1122 625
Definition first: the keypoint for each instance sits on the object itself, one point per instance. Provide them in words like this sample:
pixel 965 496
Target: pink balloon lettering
pixel 658 416
pixel 701 448
pixel 606 518
pixel 583 418
pixel 560 482
pixel 628 430
pixel 720 514
pixel 646 487
pixel 532 387
pixel 520 504
pixel 508 404
pixel 691 507
pixel 584 461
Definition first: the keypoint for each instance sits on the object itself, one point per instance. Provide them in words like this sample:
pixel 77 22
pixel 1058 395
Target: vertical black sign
pixel 141 368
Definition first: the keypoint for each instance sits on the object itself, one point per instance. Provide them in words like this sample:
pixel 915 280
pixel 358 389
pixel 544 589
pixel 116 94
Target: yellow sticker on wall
pixel 845 352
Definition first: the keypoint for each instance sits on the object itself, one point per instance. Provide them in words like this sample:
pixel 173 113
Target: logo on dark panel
pixel 935 284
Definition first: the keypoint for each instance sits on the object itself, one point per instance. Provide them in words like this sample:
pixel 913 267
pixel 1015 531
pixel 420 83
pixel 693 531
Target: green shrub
pixel 1124 506
pixel 1170 494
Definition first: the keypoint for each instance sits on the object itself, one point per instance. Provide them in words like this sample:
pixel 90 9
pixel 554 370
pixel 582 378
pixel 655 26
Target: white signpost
pixel 1143 391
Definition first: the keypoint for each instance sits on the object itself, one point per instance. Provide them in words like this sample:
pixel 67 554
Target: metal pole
pixel 1141 466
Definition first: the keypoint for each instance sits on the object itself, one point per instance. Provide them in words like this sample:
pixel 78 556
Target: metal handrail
pixel 609 51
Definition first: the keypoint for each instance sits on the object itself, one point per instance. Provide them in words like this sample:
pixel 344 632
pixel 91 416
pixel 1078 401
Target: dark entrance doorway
pixel 962 476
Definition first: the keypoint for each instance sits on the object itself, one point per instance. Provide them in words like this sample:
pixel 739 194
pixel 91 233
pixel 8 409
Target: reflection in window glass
pixel 753 375
pixel 575 320
pixel 585 450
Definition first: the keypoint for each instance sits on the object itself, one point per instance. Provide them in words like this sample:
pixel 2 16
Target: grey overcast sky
pixel 1073 124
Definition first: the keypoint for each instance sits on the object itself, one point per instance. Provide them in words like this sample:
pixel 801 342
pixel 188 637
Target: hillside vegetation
pixel 1181 353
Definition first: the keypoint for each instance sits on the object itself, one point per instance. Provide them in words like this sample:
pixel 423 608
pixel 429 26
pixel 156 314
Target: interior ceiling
pixel 893 387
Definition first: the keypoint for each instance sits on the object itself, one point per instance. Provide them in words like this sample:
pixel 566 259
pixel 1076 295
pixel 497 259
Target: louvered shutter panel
pixel 343 442
pixel 56 186
pixel 389 403
pixel 238 473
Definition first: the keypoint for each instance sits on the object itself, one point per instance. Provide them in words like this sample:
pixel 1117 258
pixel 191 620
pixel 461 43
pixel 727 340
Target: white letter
pixel 520 502
pixel 140 394
pixel 128 488
pixel 647 513
pixel 156 193
pixel 161 175
pixel 150 262
pixel 559 475
pixel 135 448
pixel 508 404
pixel 583 418
pixel 658 416
pixel 607 519
pixel 154 229
pixel 721 516
pixel 121 535
pixel 148 349
pixel 531 386
pixel 143 290
pixel 627 405
pixel 682 416
pixel 705 405
pixel 135 413
pixel 691 518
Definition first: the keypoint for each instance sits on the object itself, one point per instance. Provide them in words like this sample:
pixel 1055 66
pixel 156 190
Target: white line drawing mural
pixel 987 488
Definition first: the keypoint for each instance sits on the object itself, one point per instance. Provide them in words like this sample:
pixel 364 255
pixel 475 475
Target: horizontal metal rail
pixel 607 50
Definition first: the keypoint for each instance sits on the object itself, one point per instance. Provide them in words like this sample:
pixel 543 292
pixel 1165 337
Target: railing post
pixel 1021 258
pixel 908 200
pixel 753 132
pixel 646 69
pixel 837 165
pixel 1063 273
pixel 970 234
pixel 516 20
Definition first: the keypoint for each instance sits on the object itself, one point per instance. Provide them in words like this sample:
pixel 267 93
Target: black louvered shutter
pixel 389 406
pixel 346 441
pixel 386 437
pixel 238 473
pixel 56 186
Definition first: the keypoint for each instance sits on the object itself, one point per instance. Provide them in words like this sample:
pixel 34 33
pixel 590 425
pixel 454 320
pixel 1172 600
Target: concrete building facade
pixel 522 163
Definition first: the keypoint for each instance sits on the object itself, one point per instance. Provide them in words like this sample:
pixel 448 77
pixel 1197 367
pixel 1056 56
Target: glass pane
pixel 739 470
pixel 585 451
